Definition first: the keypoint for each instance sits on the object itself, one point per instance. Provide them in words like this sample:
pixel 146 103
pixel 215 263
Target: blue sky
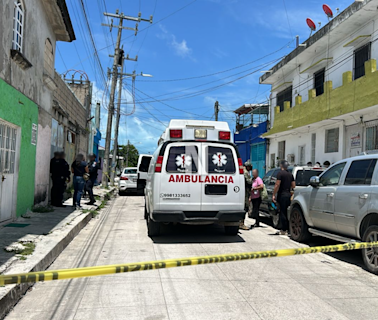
pixel 220 45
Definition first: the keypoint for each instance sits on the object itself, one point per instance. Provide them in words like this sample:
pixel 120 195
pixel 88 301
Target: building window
pixel 319 82
pixel 313 147
pixel 281 150
pixel 285 95
pixel 49 57
pixel 332 140
pixel 372 138
pixel 18 26
pixel 361 55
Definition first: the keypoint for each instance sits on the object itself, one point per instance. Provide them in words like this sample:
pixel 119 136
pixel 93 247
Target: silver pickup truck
pixel 340 204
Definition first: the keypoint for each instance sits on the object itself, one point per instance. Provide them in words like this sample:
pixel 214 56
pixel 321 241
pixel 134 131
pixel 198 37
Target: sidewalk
pixel 33 242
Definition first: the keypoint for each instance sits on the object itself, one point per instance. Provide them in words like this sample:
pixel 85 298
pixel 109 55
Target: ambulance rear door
pixel 223 189
pixel 180 189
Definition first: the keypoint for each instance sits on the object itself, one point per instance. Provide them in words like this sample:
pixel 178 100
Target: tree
pixel 129 153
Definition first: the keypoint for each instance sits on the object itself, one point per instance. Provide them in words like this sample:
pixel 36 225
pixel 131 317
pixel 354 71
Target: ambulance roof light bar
pixel 224 135
pixel 175 133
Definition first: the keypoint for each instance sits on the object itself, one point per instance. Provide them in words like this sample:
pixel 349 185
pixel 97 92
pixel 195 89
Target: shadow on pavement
pixel 182 234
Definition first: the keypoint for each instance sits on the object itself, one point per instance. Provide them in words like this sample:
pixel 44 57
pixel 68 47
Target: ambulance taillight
pixel 241 168
pixel 224 135
pixel 159 163
pixel 175 133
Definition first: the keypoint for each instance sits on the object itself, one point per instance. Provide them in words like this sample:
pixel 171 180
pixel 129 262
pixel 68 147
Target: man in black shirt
pixel 284 185
pixel 93 168
pixel 59 174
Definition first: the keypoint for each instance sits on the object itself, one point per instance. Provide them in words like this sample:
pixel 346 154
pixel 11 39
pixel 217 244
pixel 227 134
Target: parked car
pixel 340 204
pixel 143 164
pixel 302 176
pixel 128 180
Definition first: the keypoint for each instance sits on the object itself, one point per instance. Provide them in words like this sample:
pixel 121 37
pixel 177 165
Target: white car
pixel 195 177
pixel 128 180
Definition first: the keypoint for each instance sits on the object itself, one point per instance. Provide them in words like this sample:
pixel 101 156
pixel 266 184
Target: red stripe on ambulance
pixel 200 179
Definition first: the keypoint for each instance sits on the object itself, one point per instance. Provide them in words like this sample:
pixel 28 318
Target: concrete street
pixel 316 286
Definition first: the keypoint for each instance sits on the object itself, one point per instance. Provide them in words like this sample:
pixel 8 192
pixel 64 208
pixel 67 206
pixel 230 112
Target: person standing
pixel 248 186
pixel 78 168
pixel 257 186
pixel 65 173
pixel 282 193
pixel 58 178
pixel 93 168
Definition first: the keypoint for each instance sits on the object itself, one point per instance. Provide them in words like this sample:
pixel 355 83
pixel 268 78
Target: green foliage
pixel 29 249
pixel 42 209
pixel 133 154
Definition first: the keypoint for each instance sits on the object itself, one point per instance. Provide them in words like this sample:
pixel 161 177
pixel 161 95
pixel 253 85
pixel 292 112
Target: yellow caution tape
pixel 171 263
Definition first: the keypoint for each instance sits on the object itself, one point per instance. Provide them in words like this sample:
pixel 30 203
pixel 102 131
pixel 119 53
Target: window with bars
pixel 7 148
pixel 319 78
pixel 361 55
pixel 285 95
pixel 18 26
pixel 371 138
pixel 49 58
pixel 332 140
pixel 281 150
pixel 313 147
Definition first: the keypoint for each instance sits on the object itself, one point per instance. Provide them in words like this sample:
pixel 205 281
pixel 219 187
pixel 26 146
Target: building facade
pixel 252 123
pixel 324 97
pixel 26 85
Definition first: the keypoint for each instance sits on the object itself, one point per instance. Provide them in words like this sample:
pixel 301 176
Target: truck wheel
pixel 145 211
pixel 276 220
pixel 298 226
pixel 370 256
pixel 153 227
pixel 231 230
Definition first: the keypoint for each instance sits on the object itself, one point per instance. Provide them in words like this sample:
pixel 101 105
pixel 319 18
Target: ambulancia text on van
pixel 195 177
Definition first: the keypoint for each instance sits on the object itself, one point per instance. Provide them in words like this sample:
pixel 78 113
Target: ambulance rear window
pixel 182 159
pixel 220 160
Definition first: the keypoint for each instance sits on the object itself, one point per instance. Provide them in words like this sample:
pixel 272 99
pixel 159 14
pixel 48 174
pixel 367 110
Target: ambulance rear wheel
pixel 153 227
pixel 231 230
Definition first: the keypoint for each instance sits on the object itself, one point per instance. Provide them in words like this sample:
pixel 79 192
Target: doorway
pixel 9 158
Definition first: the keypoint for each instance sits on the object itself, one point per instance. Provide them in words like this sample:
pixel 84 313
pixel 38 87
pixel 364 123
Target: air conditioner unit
pixel 291 158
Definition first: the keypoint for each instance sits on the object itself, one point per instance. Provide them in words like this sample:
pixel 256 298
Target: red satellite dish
pixel 328 11
pixel 311 24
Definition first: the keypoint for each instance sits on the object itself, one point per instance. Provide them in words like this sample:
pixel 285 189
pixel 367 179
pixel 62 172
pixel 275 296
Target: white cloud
pixel 179 47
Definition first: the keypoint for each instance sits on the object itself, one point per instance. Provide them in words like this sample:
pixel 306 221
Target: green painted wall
pixel 351 96
pixel 19 110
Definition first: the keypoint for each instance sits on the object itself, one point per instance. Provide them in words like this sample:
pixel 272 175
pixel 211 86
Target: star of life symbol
pixel 183 160
pixel 219 159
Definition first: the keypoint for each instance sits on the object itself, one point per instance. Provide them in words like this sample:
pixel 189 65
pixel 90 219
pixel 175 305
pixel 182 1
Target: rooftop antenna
pixel 328 11
pixel 311 25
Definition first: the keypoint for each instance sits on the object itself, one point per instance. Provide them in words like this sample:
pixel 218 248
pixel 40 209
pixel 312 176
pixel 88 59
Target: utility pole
pixel 116 63
pixel 127 153
pixel 118 116
pixel 216 110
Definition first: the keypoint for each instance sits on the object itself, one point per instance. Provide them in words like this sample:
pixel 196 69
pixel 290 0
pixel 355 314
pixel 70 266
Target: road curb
pixel 56 243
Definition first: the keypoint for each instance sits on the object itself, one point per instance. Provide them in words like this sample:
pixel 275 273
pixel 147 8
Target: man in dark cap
pixel 282 193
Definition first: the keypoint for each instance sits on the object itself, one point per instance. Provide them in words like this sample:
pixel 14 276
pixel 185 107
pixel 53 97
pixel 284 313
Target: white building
pixel 324 97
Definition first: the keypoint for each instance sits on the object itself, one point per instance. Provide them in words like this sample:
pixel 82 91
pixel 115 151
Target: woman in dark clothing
pixel 78 168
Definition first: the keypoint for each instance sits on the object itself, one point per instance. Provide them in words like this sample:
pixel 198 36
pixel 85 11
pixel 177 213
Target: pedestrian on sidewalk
pixel 257 186
pixel 79 167
pixel 66 173
pixel 282 193
pixel 58 177
pixel 248 186
pixel 93 168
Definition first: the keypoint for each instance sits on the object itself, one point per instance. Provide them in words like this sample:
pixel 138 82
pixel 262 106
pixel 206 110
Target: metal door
pixel 8 138
pixel 353 140
pixel 258 157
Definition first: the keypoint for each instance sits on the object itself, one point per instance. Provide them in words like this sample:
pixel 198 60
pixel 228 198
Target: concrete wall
pixel 12 105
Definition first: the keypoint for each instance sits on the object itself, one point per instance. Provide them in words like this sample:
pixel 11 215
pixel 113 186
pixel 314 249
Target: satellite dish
pixel 311 24
pixel 328 11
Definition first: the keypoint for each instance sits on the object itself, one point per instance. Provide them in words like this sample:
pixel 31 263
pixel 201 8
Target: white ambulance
pixel 195 177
